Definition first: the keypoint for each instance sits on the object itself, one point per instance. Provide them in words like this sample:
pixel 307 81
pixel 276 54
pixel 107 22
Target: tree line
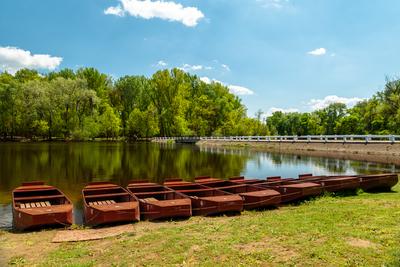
pixel 87 104
pixel 378 115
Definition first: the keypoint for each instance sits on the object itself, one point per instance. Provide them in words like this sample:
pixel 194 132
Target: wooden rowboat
pixel 332 183
pixel 158 201
pixel 253 196
pixel 289 190
pixel 105 202
pixel 383 182
pixel 295 192
pixel 206 200
pixel 328 183
pixel 36 205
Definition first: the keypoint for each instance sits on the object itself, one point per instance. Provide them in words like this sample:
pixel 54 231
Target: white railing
pixel 293 138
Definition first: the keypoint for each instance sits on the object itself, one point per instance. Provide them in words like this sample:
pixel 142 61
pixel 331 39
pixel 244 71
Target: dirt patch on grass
pixel 91 234
pixel 361 243
pixel 24 248
pixel 283 254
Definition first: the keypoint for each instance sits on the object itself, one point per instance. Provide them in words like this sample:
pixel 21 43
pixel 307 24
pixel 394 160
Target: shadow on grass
pixel 380 190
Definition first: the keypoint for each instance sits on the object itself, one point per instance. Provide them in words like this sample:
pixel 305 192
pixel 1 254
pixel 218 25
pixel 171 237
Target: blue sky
pixel 276 54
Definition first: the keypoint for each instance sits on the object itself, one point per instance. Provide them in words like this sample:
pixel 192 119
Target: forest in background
pixel 87 104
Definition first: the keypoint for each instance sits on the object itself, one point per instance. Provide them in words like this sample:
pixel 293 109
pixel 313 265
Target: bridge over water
pixel 356 139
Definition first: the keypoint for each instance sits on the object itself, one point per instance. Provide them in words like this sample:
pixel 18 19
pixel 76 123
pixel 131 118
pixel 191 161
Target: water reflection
pixel 70 166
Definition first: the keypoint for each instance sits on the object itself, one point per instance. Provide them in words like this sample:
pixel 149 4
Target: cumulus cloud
pixel 188 67
pixel 114 10
pixel 316 104
pixel 317 52
pixel 234 89
pixel 277 4
pixel 12 59
pixel 283 110
pixel 206 80
pixel 240 90
pixel 166 10
pixel 162 63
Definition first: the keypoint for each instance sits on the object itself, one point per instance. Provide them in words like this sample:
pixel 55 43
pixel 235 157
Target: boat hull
pixel 296 192
pixel 25 219
pixel 261 199
pixel 382 182
pixel 216 205
pixel 340 184
pixel 114 213
pixel 166 209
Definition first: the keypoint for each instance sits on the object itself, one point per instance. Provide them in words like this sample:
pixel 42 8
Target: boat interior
pixel 39 197
pixel 197 190
pixel 153 192
pixel 105 194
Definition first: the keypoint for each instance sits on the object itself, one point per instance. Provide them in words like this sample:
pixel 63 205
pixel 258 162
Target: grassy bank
pixel 362 230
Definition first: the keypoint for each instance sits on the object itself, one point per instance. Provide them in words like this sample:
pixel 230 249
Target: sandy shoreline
pixel 380 153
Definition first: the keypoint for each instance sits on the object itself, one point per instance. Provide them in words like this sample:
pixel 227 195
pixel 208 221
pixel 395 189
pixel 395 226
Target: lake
pixel 69 166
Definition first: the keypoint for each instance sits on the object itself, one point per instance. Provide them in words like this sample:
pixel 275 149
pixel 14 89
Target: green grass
pixel 361 230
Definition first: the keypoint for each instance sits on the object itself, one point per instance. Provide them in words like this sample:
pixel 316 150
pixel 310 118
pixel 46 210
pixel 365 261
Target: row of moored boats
pixel 36 204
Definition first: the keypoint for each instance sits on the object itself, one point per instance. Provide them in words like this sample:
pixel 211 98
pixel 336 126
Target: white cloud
pixel 316 104
pixel 240 90
pixel 162 63
pixel 188 67
pixel 206 80
pixel 283 110
pixel 234 89
pixel 12 59
pixel 148 9
pixel 225 67
pixel 114 10
pixel 277 4
pixel 317 52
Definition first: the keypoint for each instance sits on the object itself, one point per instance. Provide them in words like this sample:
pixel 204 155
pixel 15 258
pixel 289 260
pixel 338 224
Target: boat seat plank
pixel 196 190
pixel 29 205
pixel 102 188
pixel 150 199
pixel 35 189
pixel 103 202
pixel 154 192
pixel 107 195
pixel 37 197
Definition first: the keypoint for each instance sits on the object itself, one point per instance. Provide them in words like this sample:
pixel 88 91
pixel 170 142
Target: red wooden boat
pixel 292 191
pixel 253 196
pixel 158 201
pixel 365 182
pixel 382 182
pixel 206 200
pixel 106 202
pixel 36 205
pixel 332 183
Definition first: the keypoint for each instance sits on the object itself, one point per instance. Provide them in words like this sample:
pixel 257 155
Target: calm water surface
pixel 71 166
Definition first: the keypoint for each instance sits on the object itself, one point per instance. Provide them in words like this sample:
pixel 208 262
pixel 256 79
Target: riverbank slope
pixel 373 152
pixel 359 230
